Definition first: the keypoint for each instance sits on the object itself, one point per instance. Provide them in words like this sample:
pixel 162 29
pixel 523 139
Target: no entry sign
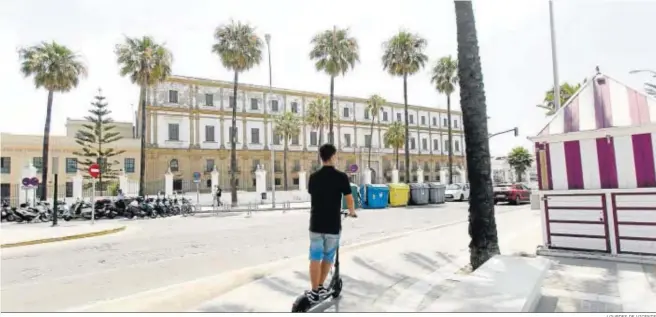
pixel 94 170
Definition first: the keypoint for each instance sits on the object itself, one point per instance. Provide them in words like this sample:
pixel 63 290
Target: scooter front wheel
pixel 301 304
pixel 337 288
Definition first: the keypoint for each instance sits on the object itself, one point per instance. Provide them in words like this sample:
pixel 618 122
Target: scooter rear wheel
pixel 301 304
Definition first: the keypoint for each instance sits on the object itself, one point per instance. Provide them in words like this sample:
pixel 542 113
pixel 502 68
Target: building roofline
pixel 225 83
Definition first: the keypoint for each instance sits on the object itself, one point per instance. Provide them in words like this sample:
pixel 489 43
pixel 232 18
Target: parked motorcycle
pixel 186 209
pixel 79 209
pixel 40 211
pixel 8 212
pixel 135 208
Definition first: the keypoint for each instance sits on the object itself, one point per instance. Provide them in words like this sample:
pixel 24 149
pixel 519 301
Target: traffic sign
pixel 26 181
pixel 353 168
pixel 94 170
pixel 196 177
pixel 34 181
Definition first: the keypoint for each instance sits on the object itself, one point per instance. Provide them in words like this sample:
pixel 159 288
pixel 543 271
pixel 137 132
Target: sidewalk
pixel 403 275
pixel 22 234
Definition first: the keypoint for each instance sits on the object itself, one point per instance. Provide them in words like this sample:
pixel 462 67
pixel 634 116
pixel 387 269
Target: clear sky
pixel 513 37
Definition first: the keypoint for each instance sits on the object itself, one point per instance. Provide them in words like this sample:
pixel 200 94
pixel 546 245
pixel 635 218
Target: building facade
pixel 18 151
pixel 502 172
pixel 189 119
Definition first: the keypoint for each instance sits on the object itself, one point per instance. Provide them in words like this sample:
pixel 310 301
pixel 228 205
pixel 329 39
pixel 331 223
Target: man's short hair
pixel 327 151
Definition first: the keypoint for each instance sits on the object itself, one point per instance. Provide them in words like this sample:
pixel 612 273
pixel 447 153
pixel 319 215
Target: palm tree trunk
pixel 407 129
pixel 284 163
pixel 233 144
pixel 320 140
pixel 46 146
pixel 482 223
pixel 396 153
pixel 448 116
pixel 331 138
pixel 371 139
pixel 142 162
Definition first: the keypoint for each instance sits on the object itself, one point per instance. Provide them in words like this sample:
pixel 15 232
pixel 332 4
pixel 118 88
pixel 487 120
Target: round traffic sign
pixel 353 168
pixel 34 181
pixel 94 170
pixel 26 181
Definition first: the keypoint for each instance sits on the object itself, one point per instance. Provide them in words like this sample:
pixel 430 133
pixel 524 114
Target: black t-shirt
pixel 326 187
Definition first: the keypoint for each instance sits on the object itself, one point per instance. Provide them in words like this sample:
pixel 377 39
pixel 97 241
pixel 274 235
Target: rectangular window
pixel 295 181
pixel 255 135
pixel 278 182
pixel 446 147
pixel 37 162
pixel 424 144
pixel 297 165
pixel 254 104
pixel 434 121
pixel 277 139
pixel 385 116
pixel 71 165
pixel 423 120
pixel 5 161
pixel 209 133
pixel 173 96
pixel 295 140
pixel 457 146
pixel 295 107
pixel 455 124
pixel 69 189
pixel 366 114
pixel 209 165
pixel 347 140
pixel 128 165
pixel 436 145
pixel 234 134
pixel 346 112
pixel 445 123
pixel 313 138
pixel 367 140
pixel 256 163
pixel 413 144
pixel 209 100
pixel 411 120
pixel 274 105
pixel 174 132
pixel 231 102
pixel 277 167
pixel 398 117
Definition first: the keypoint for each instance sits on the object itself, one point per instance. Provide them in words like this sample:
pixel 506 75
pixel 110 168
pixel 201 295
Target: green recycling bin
pixel 356 197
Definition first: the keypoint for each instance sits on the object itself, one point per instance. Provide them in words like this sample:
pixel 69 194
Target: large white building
pixel 188 126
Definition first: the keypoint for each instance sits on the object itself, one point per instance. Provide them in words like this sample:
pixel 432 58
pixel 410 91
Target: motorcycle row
pixel 103 208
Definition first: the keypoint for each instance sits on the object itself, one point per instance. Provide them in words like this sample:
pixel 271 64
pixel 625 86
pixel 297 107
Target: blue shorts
pixel 323 246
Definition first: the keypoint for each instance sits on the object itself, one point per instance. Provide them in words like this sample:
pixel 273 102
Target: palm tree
pixel 650 88
pixel 317 115
pixel 374 106
pixel 404 56
pixel 240 49
pixel 57 69
pixel 482 223
pixel 288 125
pixel 395 137
pixel 567 90
pixel 445 78
pixel 147 63
pixel 334 52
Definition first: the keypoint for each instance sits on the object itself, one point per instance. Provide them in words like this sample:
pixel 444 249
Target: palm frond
pixel 334 51
pixel 54 67
pixel 404 54
pixel 238 46
pixel 145 61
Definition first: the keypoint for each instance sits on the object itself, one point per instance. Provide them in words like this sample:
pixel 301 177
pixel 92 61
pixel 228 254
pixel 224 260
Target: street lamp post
pixel 267 37
pixel 554 58
pixel 515 130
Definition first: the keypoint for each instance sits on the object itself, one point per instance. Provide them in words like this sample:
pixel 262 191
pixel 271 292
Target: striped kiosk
pixel 596 171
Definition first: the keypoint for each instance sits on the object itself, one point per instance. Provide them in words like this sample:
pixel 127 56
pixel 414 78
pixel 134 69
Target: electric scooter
pixel 302 304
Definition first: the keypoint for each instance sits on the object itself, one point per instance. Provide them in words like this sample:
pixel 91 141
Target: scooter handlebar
pixel 346 214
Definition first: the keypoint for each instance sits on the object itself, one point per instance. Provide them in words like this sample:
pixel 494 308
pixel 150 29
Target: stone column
pixel 305 142
pixel 443 177
pixel 366 176
pixel 214 180
pixel 123 183
pixel 266 100
pixel 154 128
pixel 302 181
pixel 260 180
pixel 420 175
pixel 244 141
pixel 168 183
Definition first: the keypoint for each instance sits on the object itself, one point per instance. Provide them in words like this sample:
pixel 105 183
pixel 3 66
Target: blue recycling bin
pixel 356 198
pixel 375 196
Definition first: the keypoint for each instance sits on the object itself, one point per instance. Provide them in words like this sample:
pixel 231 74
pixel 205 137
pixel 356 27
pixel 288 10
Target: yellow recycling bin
pixel 399 194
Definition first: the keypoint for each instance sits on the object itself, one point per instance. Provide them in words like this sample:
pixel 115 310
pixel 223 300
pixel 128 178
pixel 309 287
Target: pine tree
pixel 95 138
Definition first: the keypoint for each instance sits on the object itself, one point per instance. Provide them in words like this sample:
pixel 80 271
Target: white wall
pixel 163 121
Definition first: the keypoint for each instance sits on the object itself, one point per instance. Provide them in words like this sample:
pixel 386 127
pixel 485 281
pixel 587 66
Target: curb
pixel 63 238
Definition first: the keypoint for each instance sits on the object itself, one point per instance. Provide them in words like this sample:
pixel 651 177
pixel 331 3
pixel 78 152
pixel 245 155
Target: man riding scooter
pixel 326 187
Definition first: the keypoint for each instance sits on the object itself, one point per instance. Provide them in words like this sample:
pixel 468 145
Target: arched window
pixel 174 165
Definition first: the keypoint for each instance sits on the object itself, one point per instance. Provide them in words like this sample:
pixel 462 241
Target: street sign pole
pixel 93 203
pixel 54 204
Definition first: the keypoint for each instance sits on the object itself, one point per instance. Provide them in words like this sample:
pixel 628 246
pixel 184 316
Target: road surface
pixel 160 252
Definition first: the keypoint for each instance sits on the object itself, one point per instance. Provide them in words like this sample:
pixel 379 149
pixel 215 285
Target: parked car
pixel 457 191
pixel 512 193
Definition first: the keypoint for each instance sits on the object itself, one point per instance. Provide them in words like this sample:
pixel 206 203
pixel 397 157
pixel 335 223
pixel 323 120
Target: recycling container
pixel 374 196
pixel 419 194
pixel 356 197
pixel 436 193
pixel 399 194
